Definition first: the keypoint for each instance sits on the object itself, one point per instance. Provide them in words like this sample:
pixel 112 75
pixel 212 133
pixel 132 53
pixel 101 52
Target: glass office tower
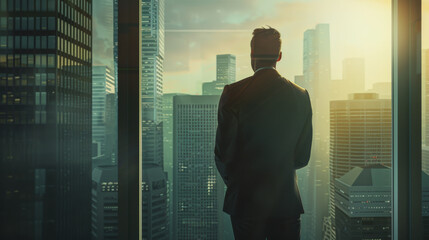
pixel 360 136
pixel 103 83
pixel 45 119
pixel 198 188
pixel 316 79
pixel 155 211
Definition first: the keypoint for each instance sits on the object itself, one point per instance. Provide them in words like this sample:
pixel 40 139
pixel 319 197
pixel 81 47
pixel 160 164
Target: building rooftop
pixel 373 175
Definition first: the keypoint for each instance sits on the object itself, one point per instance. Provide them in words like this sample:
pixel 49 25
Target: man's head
pixel 265 48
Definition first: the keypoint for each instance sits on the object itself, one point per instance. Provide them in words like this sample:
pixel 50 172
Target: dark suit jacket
pixel 264 134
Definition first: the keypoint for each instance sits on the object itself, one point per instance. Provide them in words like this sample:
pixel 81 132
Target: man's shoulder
pixel 295 87
pixel 237 86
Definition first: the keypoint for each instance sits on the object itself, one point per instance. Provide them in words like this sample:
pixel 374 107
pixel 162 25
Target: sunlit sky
pixel 198 30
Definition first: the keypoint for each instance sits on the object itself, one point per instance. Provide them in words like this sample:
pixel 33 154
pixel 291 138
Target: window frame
pixel 406 119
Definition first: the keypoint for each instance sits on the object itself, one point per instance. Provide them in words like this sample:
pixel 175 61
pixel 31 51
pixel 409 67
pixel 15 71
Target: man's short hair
pixel 265 44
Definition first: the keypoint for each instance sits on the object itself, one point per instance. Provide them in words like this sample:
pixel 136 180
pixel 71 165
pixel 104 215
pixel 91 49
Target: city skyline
pixel 49 97
pixel 193 40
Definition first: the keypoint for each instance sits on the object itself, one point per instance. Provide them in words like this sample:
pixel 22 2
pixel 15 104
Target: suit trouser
pixel 254 228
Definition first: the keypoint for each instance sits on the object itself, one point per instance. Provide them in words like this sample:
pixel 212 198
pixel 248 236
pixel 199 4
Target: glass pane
pixel 344 61
pixel 58 114
pixel 57 121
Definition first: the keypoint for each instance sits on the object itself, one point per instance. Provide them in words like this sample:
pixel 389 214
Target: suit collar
pixel 266 73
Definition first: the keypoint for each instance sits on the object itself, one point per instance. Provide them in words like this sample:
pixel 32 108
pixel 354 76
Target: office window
pixel 51 23
pixel 31 23
pixel 59 98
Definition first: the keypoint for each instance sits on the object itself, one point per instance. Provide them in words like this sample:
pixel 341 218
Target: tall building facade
pixel 363 203
pixel 198 188
pixel 225 74
pixel 111 131
pixel 354 74
pixel 104 221
pixel 317 79
pixel 363 206
pixel 154 200
pixel 152 126
pixel 361 135
pixel 225 68
pixel 45 119
pixel 167 120
pixel 353 80
pixel 115 39
pixel 103 83
pixel 152 79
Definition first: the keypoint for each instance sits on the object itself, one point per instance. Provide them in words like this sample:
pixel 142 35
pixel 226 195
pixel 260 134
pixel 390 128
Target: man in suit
pixel 264 135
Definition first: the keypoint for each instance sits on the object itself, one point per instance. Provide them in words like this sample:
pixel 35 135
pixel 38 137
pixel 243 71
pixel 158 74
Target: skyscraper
pixel 363 203
pixel 103 83
pixel 152 79
pixel 384 90
pixel 111 131
pixel 213 88
pixel 225 68
pixel 167 120
pixel 154 200
pixel 198 188
pixel 317 79
pixel 360 136
pixel 354 74
pixel 45 119
pixel 104 221
pixel 225 74
pixel 299 80
pixel 115 40
pixel 363 206
pixel 152 140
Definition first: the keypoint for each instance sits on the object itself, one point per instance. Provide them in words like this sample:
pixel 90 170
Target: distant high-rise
pixel 225 74
pixel 104 202
pixel 155 213
pixel 339 90
pixel 154 200
pixel 167 120
pixel 213 88
pixel 354 74
pixel 198 188
pixel 363 205
pixel 103 83
pixel 45 119
pixel 384 89
pixel 225 68
pixel 115 39
pixel 152 79
pixel 317 79
pixel 111 131
pixel 361 135
pixel 299 80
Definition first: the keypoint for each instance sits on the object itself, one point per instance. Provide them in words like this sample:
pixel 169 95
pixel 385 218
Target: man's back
pixel 264 135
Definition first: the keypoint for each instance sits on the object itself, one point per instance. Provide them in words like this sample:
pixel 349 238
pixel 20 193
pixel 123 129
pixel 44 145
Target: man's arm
pixel 225 136
pixel 303 147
